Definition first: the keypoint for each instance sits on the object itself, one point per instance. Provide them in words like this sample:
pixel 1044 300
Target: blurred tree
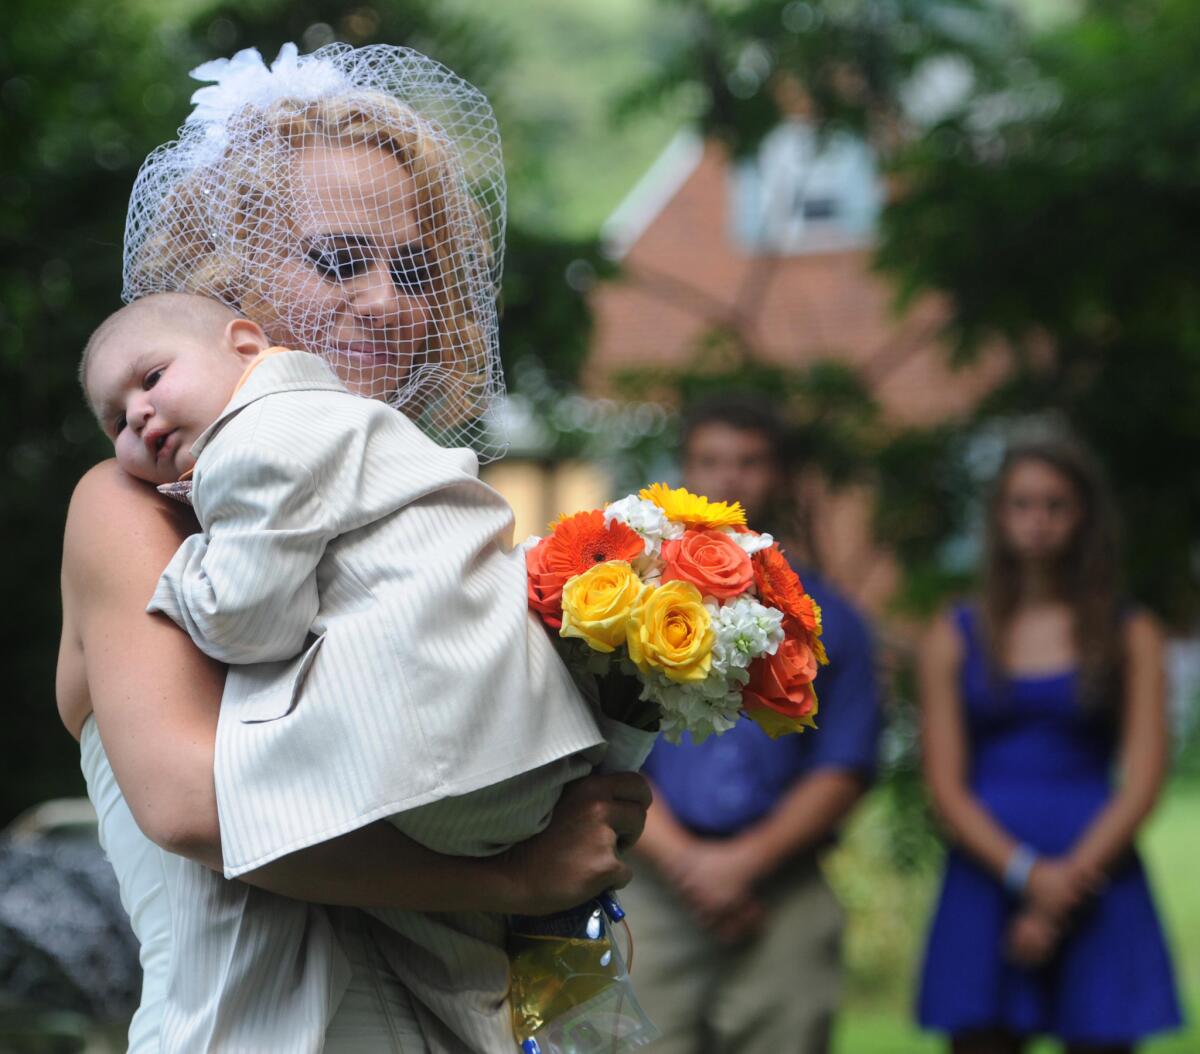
pixel 840 63
pixel 544 311
pixel 87 90
pixel 870 68
pixel 1076 181
pixel 1042 184
pixel 833 420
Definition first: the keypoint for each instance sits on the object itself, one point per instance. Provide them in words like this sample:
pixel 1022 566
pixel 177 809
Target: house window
pixel 804 193
pixel 817 208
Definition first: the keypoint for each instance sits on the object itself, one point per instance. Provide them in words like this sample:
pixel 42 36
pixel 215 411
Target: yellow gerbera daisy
pixel 682 506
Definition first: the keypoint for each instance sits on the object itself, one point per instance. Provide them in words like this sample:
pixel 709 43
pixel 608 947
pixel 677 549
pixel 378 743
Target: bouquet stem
pixel 620 699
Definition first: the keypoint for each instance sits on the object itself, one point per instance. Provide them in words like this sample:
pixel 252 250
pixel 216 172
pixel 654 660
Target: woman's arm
pixel 156 697
pixel 945 752
pixel 1057 886
pixel 1143 756
pixel 572 860
pixel 1054 886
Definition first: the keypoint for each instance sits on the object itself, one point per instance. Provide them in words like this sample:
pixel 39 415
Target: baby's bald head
pixel 198 316
pixel 159 372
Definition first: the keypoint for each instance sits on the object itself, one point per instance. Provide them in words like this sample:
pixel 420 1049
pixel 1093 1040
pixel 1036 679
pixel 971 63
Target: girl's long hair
pixel 1087 572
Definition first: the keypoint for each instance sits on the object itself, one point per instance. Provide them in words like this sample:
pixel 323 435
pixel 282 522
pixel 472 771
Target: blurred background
pixel 911 222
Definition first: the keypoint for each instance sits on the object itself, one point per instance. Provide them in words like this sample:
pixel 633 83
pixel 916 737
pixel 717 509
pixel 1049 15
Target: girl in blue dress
pixel 1033 699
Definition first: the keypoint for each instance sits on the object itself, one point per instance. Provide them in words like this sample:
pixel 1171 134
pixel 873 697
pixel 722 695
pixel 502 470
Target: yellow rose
pixel 596 605
pixel 671 631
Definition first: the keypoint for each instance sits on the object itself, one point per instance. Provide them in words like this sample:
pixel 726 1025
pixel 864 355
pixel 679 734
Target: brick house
pixel 780 247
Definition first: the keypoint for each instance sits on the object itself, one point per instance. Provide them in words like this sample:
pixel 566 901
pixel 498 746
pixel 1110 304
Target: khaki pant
pixel 773 994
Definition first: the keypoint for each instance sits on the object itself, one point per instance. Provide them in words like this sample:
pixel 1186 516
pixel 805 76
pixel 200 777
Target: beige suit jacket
pixel 360 580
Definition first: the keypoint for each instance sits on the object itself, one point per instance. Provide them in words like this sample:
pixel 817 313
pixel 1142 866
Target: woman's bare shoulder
pixel 112 514
pixel 105 489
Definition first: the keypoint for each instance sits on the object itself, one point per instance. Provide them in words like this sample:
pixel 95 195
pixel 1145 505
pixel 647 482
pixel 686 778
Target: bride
pixel 329 227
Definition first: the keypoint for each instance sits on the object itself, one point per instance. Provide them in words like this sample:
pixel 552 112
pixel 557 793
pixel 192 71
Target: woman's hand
pixel 579 854
pixel 1058 886
pixel 1032 937
pixel 155 696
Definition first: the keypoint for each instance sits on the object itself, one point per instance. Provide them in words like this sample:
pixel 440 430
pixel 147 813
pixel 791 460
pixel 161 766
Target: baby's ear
pixel 246 337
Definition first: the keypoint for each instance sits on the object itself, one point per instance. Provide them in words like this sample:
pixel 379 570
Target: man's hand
pixel 715 884
pixel 744 921
pixel 715 878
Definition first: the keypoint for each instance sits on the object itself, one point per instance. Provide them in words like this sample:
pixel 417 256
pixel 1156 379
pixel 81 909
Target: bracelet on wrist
pixel 1018 869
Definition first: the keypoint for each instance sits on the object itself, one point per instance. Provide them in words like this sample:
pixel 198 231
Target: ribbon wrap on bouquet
pixel 569 983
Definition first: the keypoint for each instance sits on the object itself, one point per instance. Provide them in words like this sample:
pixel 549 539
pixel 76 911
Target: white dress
pixel 187 1004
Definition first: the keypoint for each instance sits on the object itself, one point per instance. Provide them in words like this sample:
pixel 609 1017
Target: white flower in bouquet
pixel 647 519
pixel 745 629
pixel 750 541
pixel 704 708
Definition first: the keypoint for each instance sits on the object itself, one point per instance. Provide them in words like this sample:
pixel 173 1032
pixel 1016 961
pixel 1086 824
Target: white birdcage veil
pixel 352 202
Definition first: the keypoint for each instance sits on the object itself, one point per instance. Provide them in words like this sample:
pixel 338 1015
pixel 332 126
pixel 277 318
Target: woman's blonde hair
pixel 213 226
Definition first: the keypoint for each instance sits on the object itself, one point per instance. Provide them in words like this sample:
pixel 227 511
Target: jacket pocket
pixel 271 690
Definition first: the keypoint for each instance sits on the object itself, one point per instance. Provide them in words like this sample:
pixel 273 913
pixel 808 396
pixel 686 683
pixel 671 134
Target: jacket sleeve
pixel 245 588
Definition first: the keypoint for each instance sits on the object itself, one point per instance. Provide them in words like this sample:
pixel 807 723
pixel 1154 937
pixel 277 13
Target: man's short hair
pixel 744 411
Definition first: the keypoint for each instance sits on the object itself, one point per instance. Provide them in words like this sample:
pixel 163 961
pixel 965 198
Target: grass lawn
pixel 888 913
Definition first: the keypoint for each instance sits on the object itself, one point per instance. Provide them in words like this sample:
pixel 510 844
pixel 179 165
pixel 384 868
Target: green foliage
pixel 474 51
pixel 1054 211
pixel 925 494
pixel 832 417
pixel 841 64
pixel 571 60
pixel 85 95
pixel 1058 215
pixel 844 62
pixel 544 312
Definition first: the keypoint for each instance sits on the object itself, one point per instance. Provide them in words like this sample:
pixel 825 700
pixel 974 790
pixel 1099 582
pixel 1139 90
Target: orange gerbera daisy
pixel 580 542
pixel 779 587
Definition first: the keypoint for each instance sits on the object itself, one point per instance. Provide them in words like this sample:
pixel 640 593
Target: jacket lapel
pixel 289 371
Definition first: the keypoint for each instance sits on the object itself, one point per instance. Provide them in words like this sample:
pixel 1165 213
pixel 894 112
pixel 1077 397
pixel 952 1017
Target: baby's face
pixel 154 391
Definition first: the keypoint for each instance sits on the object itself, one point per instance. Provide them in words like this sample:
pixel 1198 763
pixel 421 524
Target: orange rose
pixel 780 696
pixel 545 586
pixel 712 561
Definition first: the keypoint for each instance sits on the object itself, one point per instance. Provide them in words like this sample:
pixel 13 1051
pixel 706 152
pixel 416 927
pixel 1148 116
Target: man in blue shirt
pixel 738 934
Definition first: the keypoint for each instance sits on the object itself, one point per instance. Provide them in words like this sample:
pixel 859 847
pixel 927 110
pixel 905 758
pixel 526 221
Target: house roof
pixel 651 194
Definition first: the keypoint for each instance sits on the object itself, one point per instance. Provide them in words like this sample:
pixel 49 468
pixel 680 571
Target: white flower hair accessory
pixel 246 80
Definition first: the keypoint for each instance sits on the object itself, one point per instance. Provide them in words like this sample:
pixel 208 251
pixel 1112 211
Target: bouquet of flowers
pixel 680 618
pixel 685 617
